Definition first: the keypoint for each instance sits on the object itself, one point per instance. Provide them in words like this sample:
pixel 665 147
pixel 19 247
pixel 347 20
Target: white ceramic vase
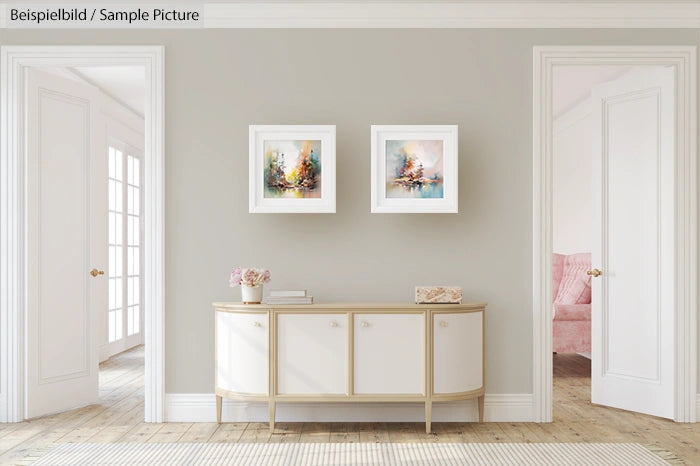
pixel 251 294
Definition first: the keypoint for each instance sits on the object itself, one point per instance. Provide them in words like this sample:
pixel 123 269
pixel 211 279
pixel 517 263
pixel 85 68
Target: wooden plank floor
pixel 119 418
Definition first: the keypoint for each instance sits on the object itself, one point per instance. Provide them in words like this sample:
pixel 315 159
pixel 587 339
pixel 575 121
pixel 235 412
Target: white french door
pixel 633 305
pixel 125 277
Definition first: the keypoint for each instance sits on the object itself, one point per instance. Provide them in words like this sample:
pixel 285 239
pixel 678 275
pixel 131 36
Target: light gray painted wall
pixel 220 81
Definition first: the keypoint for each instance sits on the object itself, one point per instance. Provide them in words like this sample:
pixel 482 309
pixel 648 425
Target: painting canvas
pixel 292 169
pixel 414 169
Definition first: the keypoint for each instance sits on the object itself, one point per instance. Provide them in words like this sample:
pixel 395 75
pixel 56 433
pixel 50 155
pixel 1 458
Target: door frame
pixel 14 61
pixel 683 58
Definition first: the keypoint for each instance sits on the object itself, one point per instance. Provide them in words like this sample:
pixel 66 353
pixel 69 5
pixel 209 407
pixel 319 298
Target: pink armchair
pixel 571 296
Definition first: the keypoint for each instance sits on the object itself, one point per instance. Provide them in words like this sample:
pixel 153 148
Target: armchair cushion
pixel 557 272
pixel 575 287
pixel 572 312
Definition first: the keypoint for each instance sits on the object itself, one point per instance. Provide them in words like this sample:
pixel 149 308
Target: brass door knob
pixel 95 272
pixel 595 273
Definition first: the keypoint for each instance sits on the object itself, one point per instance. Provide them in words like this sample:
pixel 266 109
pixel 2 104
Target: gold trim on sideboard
pixel 384 307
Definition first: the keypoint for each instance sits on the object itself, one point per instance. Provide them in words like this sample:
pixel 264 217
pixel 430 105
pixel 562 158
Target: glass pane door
pixel 133 228
pixel 116 244
pixel 124 311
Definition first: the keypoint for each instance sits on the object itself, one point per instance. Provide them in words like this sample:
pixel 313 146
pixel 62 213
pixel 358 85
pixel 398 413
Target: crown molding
pixel 460 14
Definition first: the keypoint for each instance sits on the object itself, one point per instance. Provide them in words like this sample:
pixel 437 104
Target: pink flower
pixel 236 277
pixel 249 276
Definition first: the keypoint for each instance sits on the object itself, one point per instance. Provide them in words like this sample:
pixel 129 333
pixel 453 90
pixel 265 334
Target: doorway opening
pixel 85 143
pixel 576 98
pixel 85 124
pixel 643 180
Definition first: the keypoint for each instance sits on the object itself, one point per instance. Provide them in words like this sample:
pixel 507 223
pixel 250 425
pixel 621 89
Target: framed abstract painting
pixel 292 169
pixel 414 168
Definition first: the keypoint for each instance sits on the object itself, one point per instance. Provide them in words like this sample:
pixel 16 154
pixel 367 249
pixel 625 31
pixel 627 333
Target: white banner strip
pixel 357 14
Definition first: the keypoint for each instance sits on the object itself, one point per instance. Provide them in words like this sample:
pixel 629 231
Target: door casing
pixel 683 59
pixel 13 159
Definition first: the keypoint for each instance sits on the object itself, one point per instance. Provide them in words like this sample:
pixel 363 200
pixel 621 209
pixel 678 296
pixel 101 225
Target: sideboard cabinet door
pixel 312 353
pixel 389 353
pixel 457 352
pixel 241 352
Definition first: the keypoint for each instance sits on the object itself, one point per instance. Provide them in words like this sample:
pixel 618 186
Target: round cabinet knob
pixel 334 324
pixel 443 323
pixel 256 324
pixel 365 324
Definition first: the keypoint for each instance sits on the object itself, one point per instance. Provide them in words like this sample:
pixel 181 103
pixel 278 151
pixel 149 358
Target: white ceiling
pixel 124 83
pixel 573 83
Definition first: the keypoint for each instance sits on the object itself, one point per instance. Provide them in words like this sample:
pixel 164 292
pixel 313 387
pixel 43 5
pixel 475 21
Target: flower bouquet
pixel 251 282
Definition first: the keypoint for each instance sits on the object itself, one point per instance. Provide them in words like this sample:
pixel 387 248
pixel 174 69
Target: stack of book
pixel 288 297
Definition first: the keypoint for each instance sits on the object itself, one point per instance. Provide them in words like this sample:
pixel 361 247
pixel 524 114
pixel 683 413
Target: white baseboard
pixel 201 407
pixel 697 408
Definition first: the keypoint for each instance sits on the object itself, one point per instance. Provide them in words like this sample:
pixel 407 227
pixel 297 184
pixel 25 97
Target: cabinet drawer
pixel 242 352
pixel 312 353
pixel 389 352
pixel 457 352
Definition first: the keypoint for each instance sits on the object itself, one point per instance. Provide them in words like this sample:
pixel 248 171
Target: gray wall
pixel 220 81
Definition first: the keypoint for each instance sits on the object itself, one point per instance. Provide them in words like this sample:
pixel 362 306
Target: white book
pixel 287 293
pixel 289 300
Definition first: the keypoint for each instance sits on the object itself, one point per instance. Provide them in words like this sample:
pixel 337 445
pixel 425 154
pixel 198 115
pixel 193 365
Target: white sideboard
pixel 349 352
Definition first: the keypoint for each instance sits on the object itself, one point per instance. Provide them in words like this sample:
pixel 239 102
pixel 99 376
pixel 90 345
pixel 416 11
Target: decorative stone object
pixel 438 294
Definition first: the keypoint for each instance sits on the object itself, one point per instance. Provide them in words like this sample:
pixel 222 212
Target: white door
pixel 389 353
pixel 66 230
pixel 633 242
pixel 312 353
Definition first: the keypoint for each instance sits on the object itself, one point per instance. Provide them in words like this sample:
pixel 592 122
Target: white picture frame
pixel 283 192
pixel 437 192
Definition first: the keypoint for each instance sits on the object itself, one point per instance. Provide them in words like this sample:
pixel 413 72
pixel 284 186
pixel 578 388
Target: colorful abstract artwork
pixel 414 169
pixel 292 169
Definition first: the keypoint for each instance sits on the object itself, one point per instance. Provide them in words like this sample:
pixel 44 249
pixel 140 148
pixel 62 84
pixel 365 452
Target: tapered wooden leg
pixel 218 409
pixel 272 415
pixel 428 415
pixel 481 408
